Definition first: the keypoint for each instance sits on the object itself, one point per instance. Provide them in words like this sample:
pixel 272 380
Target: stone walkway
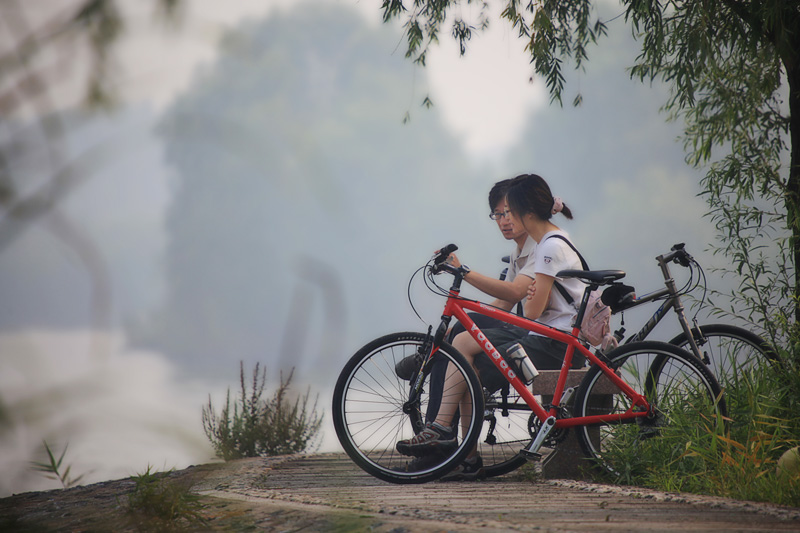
pixel 331 483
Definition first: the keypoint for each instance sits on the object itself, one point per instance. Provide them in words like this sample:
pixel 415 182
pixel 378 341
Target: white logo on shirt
pixel 547 259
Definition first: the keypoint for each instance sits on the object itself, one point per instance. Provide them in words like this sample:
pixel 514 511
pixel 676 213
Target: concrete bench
pixel 567 461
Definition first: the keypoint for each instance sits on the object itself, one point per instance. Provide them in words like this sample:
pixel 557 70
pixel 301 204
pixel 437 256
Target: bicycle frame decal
pixel 653 321
pixel 493 353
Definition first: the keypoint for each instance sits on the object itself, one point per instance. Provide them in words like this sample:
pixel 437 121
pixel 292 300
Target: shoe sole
pixel 430 448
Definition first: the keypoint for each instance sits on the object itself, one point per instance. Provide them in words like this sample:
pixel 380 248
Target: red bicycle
pixel 657 397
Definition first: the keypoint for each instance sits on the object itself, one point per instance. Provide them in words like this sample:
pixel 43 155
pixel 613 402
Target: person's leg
pixel 439 369
pixel 454 385
pixel 455 397
pixel 439 435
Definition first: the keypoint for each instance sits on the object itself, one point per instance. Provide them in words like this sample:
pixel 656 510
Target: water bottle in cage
pixel 519 359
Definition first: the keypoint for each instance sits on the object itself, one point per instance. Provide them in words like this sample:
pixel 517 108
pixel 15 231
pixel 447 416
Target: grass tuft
pixel 160 504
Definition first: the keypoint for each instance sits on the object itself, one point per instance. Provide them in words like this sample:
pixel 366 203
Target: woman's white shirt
pixel 552 256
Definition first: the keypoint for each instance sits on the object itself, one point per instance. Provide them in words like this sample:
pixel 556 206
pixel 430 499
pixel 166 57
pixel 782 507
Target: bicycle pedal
pixel 530 456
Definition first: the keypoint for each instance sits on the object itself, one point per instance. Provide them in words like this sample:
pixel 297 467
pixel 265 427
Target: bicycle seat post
pixel 585 301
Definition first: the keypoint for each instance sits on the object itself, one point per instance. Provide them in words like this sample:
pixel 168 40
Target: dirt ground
pixel 326 492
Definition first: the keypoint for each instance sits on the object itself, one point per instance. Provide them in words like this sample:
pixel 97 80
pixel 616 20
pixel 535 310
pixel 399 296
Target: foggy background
pixel 258 197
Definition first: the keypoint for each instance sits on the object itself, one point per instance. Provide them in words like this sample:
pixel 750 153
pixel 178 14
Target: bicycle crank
pixel 532 452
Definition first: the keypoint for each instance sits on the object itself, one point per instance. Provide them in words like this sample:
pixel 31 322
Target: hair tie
pixel 558 205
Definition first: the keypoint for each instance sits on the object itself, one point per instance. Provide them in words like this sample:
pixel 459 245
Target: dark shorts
pixel 546 353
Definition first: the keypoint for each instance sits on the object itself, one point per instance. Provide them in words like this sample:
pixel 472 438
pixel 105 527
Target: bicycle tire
pixel 730 350
pixel 369 415
pixel 687 397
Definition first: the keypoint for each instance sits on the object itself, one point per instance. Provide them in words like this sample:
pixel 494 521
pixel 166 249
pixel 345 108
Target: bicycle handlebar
pixel 442 255
pixel 677 254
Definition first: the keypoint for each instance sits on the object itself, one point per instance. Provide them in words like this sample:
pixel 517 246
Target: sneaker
pixel 408 366
pixel 469 470
pixel 434 438
pixel 418 464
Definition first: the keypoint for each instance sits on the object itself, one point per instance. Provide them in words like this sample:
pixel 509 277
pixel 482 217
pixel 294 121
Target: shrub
pixel 257 427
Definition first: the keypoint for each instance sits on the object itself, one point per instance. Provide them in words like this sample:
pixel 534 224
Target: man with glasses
pixel 507 293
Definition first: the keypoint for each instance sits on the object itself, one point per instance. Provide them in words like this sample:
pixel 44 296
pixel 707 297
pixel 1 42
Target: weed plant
pixel 56 469
pixel 739 462
pixel 256 427
pixel 160 504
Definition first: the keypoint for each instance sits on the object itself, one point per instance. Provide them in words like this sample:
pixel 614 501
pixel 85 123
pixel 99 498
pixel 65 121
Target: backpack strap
pixel 567 296
pixel 583 261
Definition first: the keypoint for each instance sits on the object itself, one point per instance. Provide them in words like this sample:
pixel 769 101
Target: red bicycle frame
pixel 457 307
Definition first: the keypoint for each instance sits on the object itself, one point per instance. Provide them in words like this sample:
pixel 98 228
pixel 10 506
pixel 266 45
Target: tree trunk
pixel 793 189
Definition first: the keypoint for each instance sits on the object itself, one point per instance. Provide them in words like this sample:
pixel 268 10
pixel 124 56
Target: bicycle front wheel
pixel 729 351
pixel 686 407
pixel 373 409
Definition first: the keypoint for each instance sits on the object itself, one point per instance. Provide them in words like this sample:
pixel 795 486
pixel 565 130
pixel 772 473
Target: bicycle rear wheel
pixel 729 351
pixel 372 411
pixel 505 432
pixel 686 407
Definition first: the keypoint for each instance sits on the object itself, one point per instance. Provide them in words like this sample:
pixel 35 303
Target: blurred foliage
pixel 44 54
pixel 256 427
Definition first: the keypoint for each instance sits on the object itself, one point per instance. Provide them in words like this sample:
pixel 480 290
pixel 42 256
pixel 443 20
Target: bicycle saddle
pixel 601 277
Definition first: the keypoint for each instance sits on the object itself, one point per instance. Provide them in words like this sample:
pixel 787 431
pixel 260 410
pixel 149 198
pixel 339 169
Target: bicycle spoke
pixel 371 413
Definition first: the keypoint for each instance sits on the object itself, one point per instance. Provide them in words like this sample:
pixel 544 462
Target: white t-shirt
pixel 522 260
pixel 552 256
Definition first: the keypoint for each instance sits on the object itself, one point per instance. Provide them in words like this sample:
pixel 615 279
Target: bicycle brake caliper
pixel 532 451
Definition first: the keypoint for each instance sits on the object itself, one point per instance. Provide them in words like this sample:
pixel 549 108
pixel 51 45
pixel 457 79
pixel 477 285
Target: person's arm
pixel 509 292
pixel 538 296
pixel 502 304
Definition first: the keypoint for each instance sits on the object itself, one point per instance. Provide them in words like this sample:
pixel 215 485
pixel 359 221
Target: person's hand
pixel 531 290
pixel 453 260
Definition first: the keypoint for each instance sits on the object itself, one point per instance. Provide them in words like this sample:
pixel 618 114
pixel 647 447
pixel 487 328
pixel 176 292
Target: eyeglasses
pixel 498 215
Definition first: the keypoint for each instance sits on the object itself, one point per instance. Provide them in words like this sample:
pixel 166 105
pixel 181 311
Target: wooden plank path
pixel 330 483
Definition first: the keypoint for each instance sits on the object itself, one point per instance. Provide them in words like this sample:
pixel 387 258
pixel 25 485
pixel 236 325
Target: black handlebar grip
pixel 444 253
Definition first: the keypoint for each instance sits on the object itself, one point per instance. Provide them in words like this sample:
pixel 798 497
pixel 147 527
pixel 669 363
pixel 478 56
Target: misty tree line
pixel 281 116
